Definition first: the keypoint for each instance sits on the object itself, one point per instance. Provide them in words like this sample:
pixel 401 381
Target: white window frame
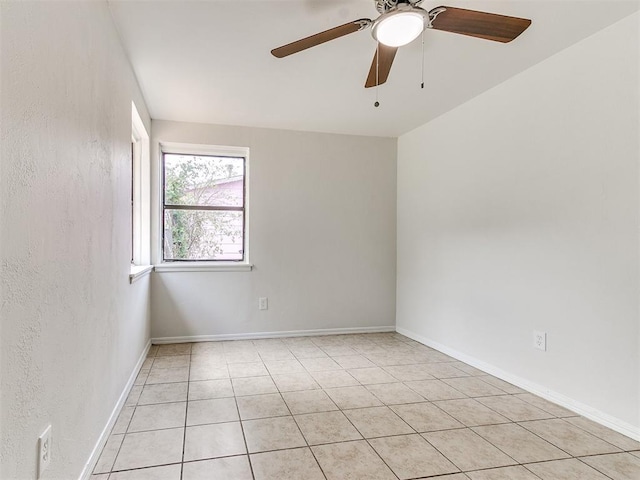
pixel 141 211
pixel 201 266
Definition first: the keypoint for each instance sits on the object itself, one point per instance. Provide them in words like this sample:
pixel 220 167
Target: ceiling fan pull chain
pixel 377 104
pixel 422 84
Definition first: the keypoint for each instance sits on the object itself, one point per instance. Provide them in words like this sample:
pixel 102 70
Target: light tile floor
pixel 371 406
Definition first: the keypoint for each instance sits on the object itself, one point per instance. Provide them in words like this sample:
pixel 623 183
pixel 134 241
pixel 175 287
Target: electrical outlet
pixel 540 340
pixel 263 303
pixel 44 450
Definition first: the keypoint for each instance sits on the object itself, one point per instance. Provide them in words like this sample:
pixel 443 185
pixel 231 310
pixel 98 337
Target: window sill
pixel 139 271
pixel 203 267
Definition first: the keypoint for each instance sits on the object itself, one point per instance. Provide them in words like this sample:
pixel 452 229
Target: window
pixel 204 201
pixel 140 198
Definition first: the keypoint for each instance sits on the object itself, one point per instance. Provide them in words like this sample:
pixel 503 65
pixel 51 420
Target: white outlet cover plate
pixel 44 450
pixel 263 303
pixel 540 340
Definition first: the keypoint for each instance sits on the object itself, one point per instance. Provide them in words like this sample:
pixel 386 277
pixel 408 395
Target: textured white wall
pixel 322 237
pixel 518 211
pixel 72 325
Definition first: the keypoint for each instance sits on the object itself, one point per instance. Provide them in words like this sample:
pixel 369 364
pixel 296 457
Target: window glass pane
pixel 203 180
pixel 203 235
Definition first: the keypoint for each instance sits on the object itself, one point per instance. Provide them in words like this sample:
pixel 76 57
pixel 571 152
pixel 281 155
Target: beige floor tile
pixel 519 443
pixel 253 386
pixel 319 364
pixel 504 473
pixel 203 348
pixel 620 466
pixel 545 405
pixel 501 384
pixel 276 367
pixel 167 472
pixel 242 356
pixel 513 408
pixel 141 378
pixel 168 375
pixel 411 456
pixel 174 349
pixel 250 369
pixel 377 422
pixel 109 453
pixel 468 450
pixel 635 453
pixel 473 386
pixel 464 367
pixel 206 389
pixel 150 449
pixel 569 469
pixel 99 476
pixel 297 463
pixel 156 417
pixel 471 412
pixel 568 437
pixel 353 397
pixel 435 390
pixel 308 351
pixel 444 370
pixel 276 355
pixel 394 393
pixel 352 461
pixel 408 373
pixel 164 393
pixel 212 441
pixel 309 401
pixel 262 406
pixel 339 350
pixel 134 396
pixel 229 468
pixel 606 434
pixel 215 410
pixel 293 382
pixel 207 372
pixel 369 349
pixel 334 378
pixel 326 427
pixel 353 361
pixel 372 375
pixel 426 417
pixel 387 360
pixel 123 420
pixel 272 434
pixel 209 360
pixel 172 361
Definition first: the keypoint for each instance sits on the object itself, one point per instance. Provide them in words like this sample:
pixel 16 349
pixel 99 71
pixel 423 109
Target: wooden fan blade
pixel 380 69
pixel 322 37
pixel 490 26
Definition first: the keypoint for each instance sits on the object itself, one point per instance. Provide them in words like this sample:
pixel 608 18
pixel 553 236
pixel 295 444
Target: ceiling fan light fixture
pixel 399 28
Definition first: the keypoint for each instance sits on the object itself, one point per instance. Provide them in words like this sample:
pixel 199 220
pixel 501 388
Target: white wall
pixel 518 211
pixel 73 327
pixel 322 237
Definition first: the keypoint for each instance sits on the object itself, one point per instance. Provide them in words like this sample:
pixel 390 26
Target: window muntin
pixel 203 207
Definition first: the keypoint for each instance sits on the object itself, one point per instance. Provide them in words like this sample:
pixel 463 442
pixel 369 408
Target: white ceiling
pixel 210 61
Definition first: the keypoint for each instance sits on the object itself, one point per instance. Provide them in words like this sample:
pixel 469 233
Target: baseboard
pixel 580 408
pixel 104 436
pixel 259 335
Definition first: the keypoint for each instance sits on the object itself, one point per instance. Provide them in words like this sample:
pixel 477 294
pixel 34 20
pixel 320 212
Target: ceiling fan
pixel 402 21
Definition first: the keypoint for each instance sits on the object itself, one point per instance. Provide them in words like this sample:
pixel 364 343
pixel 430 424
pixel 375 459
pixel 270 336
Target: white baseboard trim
pixel 259 335
pixel 104 436
pixel 580 408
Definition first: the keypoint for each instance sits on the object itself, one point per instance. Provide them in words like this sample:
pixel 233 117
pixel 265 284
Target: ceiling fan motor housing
pixel 400 25
pixel 384 6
